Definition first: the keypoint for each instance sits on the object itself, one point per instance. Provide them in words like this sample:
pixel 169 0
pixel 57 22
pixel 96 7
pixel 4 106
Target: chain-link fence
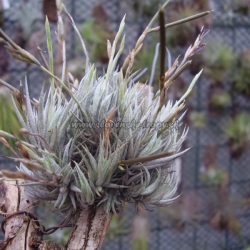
pixel 208 215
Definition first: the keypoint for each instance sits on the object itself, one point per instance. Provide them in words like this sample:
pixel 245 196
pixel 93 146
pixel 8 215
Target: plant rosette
pixel 108 141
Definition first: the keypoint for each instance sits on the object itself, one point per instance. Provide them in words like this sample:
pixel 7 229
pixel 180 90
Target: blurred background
pixel 213 211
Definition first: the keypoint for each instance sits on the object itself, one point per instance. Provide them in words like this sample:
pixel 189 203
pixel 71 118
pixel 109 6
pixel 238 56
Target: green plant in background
pixel 213 176
pixel 96 33
pixel 185 34
pixel 182 35
pixel 222 99
pixel 241 74
pixel 238 133
pixel 145 58
pixel 184 212
pixel 8 121
pixel 218 98
pixel 241 6
pixel 236 9
pixel 97 41
pixel 140 243
pixel 141 228
pixel 88 153
pixel 117 227
pixel 147 8
pixel 218 60
pixel 197 119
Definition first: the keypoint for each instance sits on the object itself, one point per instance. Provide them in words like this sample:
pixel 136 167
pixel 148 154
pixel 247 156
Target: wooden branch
pixel 17 227
pixel 90 230
pixel 20 226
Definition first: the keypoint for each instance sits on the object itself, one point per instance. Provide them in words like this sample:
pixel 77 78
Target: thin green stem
pixel 163 49
pixel 78 33
pixel 61 38
pixel 157 14
pixel 184 20
pixel 50 52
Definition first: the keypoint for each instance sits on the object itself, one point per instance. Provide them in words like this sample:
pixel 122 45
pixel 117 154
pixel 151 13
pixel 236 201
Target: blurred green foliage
pixel 8 119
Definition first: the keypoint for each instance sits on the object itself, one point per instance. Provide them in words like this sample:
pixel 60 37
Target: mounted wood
pixel 90 230
pixel 20 225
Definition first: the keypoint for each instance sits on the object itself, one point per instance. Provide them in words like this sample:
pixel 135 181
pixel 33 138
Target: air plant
pixel 106 142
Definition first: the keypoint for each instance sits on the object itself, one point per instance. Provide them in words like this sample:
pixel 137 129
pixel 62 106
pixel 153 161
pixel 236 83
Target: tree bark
pixel 17 226
pixel 20 226
pixel 22 229
pixel 90 230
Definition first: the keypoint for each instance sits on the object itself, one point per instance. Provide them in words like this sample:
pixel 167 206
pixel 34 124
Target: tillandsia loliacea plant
pixel 88 148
